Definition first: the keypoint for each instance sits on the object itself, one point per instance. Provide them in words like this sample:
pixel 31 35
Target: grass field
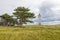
pixel 30 33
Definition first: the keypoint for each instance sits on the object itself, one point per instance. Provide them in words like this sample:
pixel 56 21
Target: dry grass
pixel 30 33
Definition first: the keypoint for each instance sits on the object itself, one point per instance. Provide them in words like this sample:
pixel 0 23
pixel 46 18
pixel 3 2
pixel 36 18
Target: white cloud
pixel 9 5
pixel 50 23
pixel 50 11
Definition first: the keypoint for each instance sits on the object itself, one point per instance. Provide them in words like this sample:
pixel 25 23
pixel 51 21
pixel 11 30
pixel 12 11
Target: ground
pixel 30 33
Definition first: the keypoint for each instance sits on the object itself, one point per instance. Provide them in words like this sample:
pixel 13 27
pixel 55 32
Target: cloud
pixel 51 23
pixel 50 11
pixel 46 11
pixel 9 5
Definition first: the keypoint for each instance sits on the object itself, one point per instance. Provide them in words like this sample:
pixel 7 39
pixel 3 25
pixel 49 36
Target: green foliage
pixel 8 18
pixel 23 14
pixel 21 9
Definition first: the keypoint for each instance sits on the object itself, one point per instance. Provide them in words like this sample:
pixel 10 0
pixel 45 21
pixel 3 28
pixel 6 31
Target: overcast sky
pixel 49 9
pixel 7 6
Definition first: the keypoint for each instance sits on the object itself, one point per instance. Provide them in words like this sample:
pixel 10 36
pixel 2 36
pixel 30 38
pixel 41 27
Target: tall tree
pixel 23 15
pixel 9 19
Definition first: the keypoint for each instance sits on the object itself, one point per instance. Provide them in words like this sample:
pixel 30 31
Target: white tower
pixel 39 19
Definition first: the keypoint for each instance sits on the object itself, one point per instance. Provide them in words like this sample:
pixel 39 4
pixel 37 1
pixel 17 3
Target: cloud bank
pixel 50 12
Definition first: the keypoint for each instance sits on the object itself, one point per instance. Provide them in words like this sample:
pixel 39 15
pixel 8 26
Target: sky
pixel 49 9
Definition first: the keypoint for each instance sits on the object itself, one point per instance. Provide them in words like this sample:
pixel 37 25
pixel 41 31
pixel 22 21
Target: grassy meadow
pixel 30 33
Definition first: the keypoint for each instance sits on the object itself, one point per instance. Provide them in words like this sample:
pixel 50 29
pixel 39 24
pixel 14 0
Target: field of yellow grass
pixel 30 33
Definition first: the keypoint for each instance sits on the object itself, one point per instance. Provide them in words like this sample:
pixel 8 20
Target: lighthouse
pixel 39 19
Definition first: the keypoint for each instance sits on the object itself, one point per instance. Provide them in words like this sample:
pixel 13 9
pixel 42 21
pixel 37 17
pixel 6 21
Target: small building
pixel 2 21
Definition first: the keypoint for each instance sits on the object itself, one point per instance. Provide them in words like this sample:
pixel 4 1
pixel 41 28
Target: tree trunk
pixel 21 24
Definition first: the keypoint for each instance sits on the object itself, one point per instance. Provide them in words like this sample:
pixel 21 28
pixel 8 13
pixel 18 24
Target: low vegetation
pixel 30 33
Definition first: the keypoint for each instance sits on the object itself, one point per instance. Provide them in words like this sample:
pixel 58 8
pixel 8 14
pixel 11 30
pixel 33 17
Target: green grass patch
pixel 30 33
